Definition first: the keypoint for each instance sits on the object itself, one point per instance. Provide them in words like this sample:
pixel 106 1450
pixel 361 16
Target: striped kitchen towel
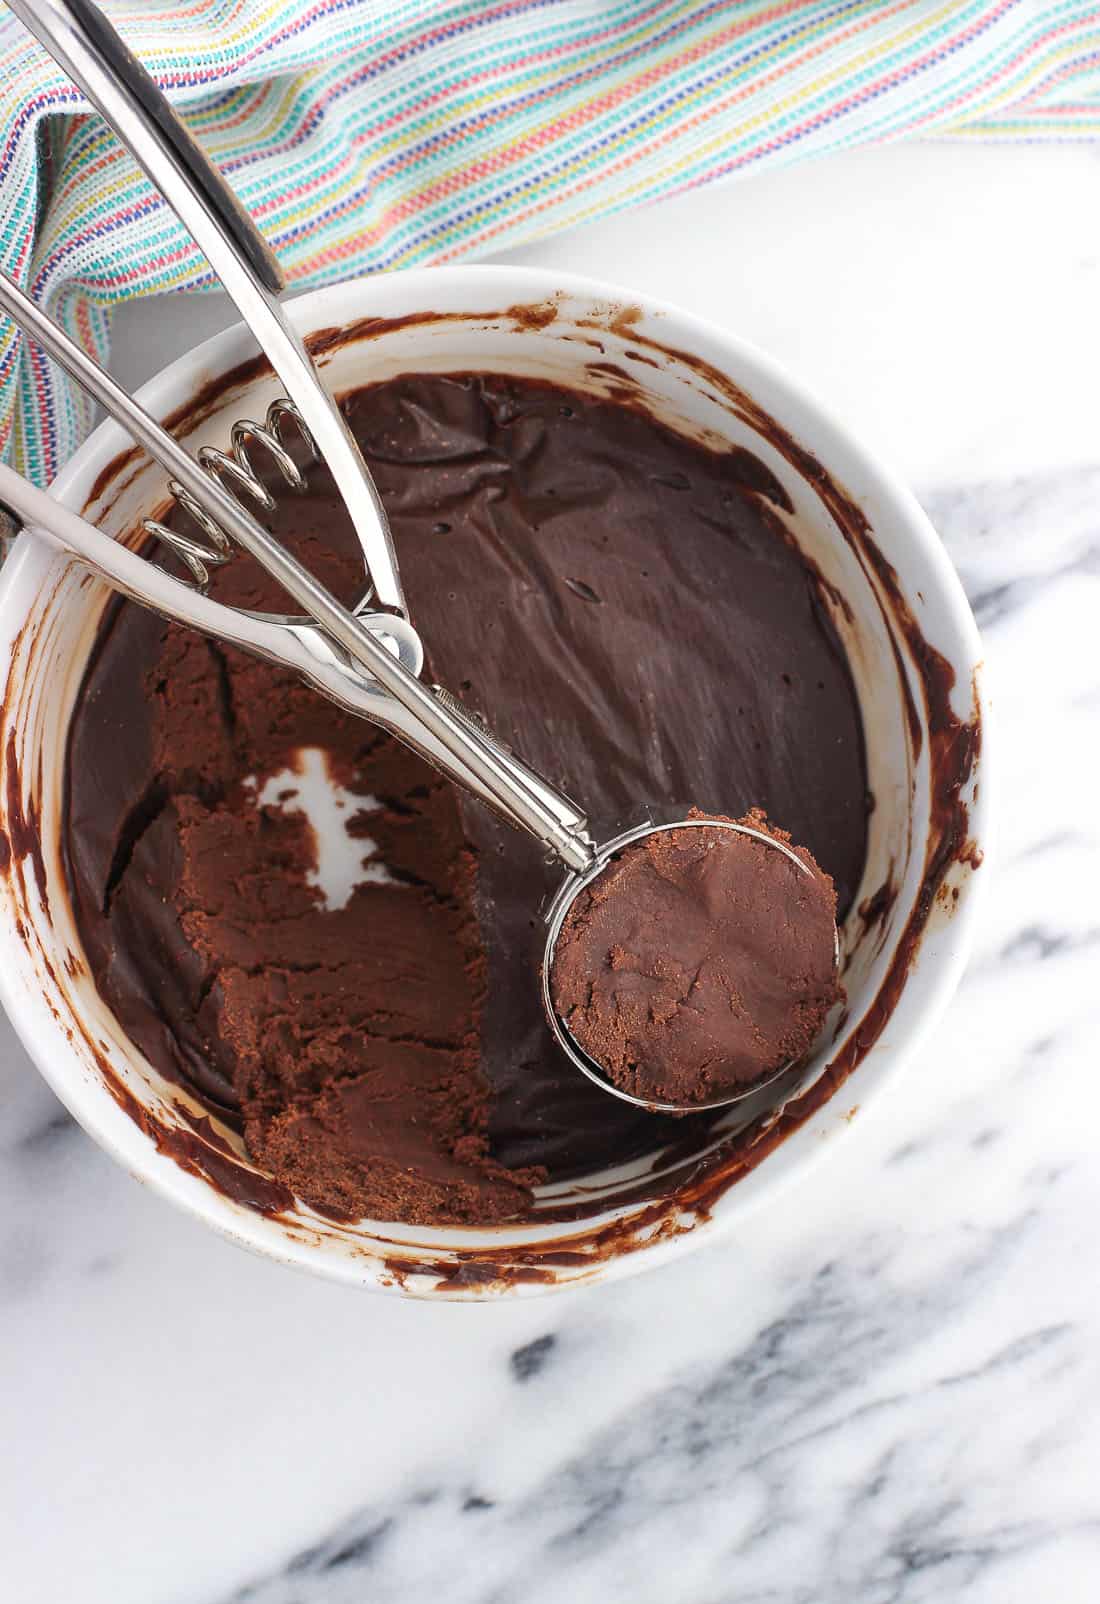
pixel 373 134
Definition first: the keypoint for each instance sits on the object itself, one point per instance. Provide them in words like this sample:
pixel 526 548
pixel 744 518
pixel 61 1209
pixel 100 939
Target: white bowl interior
pixel 50 612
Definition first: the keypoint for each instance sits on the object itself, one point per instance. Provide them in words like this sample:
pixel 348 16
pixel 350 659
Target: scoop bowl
pixel 557 913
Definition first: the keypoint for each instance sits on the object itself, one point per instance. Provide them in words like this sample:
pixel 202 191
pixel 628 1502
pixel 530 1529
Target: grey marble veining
pixel 883 1389
pixel 886 1392
pixel 820 1462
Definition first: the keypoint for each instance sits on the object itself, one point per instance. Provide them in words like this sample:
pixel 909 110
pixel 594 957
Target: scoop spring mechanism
pixel 234 466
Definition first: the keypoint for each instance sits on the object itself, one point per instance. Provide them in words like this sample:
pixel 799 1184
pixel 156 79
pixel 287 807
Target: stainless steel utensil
pixel 367 659
pixel 379 648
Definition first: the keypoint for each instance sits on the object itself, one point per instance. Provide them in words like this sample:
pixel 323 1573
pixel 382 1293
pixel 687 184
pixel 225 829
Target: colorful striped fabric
pixel 373 134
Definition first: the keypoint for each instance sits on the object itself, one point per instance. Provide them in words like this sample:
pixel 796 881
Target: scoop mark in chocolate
pixel 344 858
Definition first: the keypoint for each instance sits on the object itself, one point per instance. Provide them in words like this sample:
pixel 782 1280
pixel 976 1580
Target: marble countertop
pixel 886 1388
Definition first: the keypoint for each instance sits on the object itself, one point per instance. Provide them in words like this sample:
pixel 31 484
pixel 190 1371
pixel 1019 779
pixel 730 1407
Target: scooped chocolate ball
pixel 700 962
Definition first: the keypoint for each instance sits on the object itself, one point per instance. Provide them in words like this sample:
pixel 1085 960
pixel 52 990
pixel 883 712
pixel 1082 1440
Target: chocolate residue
pixel 201 1152
pixel 322 341
pixel 755 475
pixel 682 1189
pixel 875 910
pixel 350 1045
pixel 623 319
pixel 537 315
pixel 23 837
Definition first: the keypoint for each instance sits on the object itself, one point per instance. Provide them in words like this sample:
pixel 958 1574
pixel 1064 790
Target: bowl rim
pixel 854 465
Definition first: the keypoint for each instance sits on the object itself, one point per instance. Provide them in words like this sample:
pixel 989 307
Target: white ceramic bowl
pixel 706 383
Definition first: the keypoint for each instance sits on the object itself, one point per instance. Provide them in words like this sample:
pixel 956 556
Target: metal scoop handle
pixel 82 41
pixel 346 657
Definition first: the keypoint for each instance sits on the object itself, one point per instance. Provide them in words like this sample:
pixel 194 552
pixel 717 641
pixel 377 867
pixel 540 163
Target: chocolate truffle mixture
pixel 699 963
pixel 624 607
